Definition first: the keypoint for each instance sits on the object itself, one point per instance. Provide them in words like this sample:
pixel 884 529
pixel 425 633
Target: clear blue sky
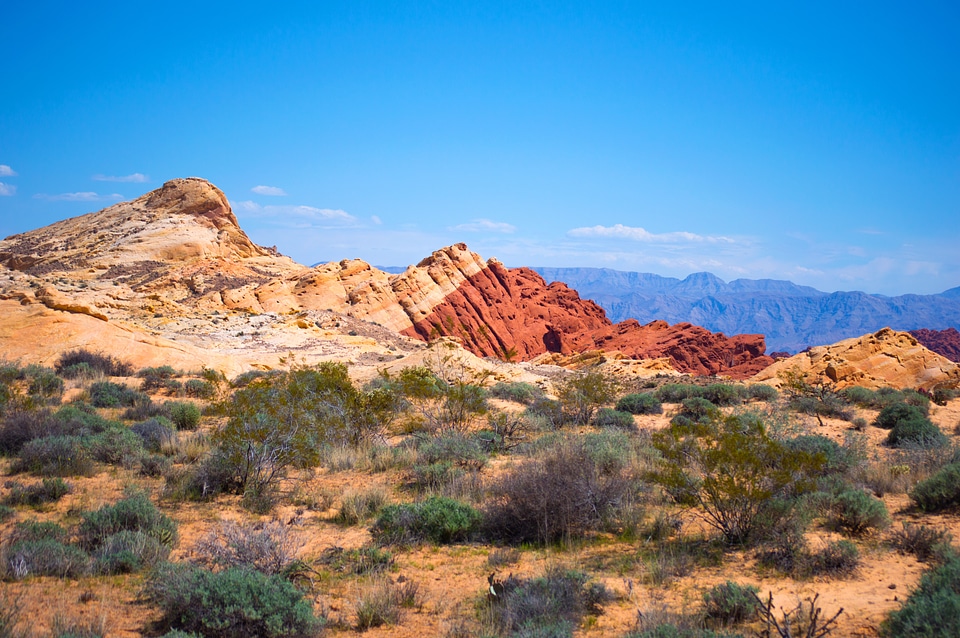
pixel 819 143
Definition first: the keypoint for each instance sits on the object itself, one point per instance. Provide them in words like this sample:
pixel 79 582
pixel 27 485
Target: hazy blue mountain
pixel 791 316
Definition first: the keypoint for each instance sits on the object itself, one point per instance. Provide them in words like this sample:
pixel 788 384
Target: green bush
pixel 923 541
pixel 933 609
pixel 730 602
pixel 836 459
pixel 582 394
pixel 135 513
pixel 856 512
pixel 893 414
pixel 697 409
pixel 156 378
pixel 609 418
pixel 916 431
pixel 677 392
pixel 451 447
pixel 46 384
pixel 45 557
pixel 127 552
pixel 154 465
pixel 723 394
pixel 762 392
pixel 640 403
pixel 184 414
pixel 115 446
pixel 200 389
pixel 438 519
pixel 939 491
pixel 838 558
pixel 552 605
pixel 233 602
pixel 106 394
pixel 517 391
pixel 55 456
pixel 47 491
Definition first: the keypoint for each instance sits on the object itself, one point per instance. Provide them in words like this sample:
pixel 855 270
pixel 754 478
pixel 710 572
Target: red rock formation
pixel 943 342
pixel 512 312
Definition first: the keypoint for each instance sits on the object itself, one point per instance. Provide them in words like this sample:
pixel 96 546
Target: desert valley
pixel 202 437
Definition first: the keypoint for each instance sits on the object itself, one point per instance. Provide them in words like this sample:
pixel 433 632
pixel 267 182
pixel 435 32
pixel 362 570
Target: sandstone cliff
pixel 944 342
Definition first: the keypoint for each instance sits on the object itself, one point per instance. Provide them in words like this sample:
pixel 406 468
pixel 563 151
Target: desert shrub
pixel 6 512
pixel 55 456
pixel 233 602
pixel 68 365
pixel 723 394
pixel 365 560
pixel 380 604
pixel 696 409
pixel 68 627
pixel 47 491
pixel 107 394
pixel 73 420
pixel 549 411
pixel 244 379
pixel 200 389
pixel 761 392
pixel 856 512
pixel 933 609
pixel 582 394
pixel 270 548
pixel 838 558
pixel 825 405
pixel 359 505
pixel 561 492
pixel 452 447
pixel 939 491
pixel 184 414
pixel 610 418
pixel 916 431
pixel 156 378
pixel 610 451
pixel 44 557
pixel 213 476
pixel 127 552
pixel 676 392
pixel 46 384
pixel 836 459
pixel 682 629
pixel 146 409
pixel 517 391
pixel 730 602
pixel 154 433
pixel 640 403
pixel 552 605
pixel 896 412
pixel 135 513
pixel 115 446
pixel 437 519
pixel 923 541
pixel 733 471
pixel 154 465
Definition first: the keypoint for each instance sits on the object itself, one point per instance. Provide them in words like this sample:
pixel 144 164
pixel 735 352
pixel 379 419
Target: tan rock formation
pixel 883 359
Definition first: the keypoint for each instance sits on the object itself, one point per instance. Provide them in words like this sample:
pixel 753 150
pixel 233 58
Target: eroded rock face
pixel 176 257
pixel 886 358
pixel 943 342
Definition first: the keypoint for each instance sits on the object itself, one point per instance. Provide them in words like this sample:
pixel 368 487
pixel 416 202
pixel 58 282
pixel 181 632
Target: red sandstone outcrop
pixel 944 342
pixel 179 252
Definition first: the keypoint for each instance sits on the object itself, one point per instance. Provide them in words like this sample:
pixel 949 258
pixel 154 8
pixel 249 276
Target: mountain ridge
pixel 791 317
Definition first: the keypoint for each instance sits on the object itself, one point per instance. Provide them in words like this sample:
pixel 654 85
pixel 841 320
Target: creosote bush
pixel 582 394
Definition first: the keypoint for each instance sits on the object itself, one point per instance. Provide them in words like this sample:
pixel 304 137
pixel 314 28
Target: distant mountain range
pixel 792 317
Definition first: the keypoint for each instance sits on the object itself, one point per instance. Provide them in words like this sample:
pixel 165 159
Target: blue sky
pixel 818 143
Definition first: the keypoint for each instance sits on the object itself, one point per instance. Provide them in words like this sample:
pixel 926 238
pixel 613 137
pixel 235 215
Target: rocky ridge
pixel 176 265
pixel 944 342
pixel 886 358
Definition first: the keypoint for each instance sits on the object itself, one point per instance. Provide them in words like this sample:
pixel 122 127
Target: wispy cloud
pixel 376 220
pixel 85 196
pixel 273 191
pixel 136 178
pixel 635 233
pixel 485 226
pixel 6 171
pixel 297 215
pixel 6 190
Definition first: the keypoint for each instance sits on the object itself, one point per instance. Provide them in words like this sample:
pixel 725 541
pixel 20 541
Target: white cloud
pixel 635 233
pixel 485 226
pixel 85 196
pixel 376 220
pixel 7 189
pixel 273 191
pixel 294 214
pixel 136 178
pixel 6 171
